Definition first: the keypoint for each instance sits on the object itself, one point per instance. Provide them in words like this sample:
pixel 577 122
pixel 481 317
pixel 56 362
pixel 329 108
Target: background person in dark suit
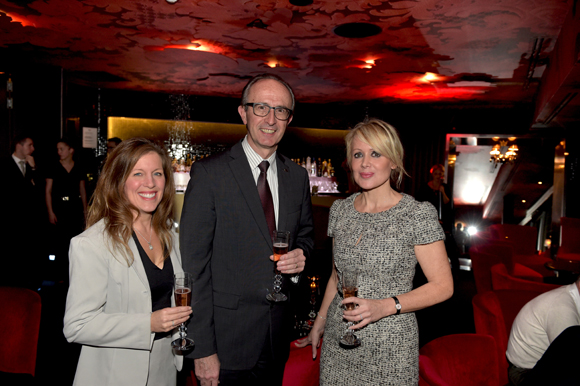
pixel 21 195
pixel 227 247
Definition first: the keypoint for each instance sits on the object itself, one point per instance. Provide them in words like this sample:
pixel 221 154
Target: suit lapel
pixel 138 264
pixel 243 175
pixel 15 169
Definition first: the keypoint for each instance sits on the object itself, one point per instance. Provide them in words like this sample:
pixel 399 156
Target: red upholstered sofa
pixel 300 369
pixel 459 360
pixel 482 259
pixel 19 329
pixel 494 313
pixel 501 279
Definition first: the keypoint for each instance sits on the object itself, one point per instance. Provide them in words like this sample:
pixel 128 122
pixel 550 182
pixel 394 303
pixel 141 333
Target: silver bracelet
pixel 320 316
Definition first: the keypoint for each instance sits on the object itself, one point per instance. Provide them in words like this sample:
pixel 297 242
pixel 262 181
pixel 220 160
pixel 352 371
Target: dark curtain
pixel 422 151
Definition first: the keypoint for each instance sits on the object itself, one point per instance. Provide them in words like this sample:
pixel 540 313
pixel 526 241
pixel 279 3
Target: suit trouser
pixel 268 371
pixel 557 367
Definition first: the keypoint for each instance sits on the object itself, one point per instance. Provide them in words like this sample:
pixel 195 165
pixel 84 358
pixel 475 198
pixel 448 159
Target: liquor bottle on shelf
pixel 313 171
pixel 319 168
pixel 308 165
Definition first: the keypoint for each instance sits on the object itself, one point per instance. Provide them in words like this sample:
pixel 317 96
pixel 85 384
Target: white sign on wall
pixel 90 139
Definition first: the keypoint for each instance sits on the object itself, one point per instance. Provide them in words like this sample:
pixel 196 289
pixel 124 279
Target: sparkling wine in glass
pixel 281 240
pixel 349 289
pixel 182 292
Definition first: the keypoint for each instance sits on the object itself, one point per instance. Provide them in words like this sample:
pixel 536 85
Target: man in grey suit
pixel 240 337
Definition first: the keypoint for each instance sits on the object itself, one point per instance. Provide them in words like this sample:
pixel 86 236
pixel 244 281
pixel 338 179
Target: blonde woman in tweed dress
pixel 384 234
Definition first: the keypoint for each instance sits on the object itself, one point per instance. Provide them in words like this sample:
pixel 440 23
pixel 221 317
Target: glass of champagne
pixel 349 289
pixel 281 240
pixel 182 291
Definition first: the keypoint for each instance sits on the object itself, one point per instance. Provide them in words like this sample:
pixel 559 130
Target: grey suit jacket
pixel 108 311
pixel 225 244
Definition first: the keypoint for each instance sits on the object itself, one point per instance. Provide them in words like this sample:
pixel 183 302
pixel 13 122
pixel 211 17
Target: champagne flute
pixel 182 291
pixel 281 240
pixel 349 289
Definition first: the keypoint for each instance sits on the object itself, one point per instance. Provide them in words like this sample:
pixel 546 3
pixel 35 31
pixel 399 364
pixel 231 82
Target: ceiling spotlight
pixel 171 1
pixel 471 230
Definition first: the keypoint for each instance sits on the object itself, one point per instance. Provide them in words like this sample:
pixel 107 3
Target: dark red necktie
pixel 266 196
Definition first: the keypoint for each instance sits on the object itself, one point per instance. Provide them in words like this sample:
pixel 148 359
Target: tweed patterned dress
pixel 389 354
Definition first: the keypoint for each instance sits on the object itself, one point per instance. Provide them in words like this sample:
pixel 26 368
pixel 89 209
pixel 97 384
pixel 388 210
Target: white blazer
pixel 108 311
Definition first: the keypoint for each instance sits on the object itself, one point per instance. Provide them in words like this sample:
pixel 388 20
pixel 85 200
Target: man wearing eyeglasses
pixel 233 202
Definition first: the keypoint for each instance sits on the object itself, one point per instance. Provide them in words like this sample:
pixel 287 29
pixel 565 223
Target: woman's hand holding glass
pixel 368 311
pixel 169 318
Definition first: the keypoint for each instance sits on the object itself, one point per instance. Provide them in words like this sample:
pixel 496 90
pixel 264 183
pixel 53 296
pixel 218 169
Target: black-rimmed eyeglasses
pixel 262 109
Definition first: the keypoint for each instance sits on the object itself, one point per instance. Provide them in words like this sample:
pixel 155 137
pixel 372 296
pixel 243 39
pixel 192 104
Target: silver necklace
pixel 150 236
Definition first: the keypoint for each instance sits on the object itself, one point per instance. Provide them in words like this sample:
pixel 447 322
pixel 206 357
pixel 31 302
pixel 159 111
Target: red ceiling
pixel 478 49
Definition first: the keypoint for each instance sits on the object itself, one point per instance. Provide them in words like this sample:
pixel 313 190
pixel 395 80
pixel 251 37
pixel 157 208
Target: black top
pixel 65 184
pixel 444 211
pixel 160 283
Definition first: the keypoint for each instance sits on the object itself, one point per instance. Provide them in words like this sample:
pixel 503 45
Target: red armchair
pixel 483 258
pixel 19 329
pixel 501 280
pixel 459 360
pixel 523 238
pixel 300 369
pixel 494 313
pixel 520 244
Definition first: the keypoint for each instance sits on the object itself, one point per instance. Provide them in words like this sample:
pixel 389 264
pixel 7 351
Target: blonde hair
pixel 110 203
pixel 384 139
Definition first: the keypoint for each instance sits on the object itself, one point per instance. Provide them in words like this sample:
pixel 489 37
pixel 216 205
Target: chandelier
pixel 502 153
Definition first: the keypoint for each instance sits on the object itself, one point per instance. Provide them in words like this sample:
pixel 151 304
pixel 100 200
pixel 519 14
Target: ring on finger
pixel 361 318
pixel 296 266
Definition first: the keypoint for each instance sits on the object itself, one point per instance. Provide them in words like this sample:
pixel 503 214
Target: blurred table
pixel 567 270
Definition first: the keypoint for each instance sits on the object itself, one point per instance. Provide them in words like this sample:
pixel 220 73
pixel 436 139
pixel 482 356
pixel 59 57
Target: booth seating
pixel 523 243
pixel 523 238
pixel 481 263
pixel 501 279
pixel 570 233
pixel 19 329
pixel 459 360
pixel 300 369
pixel 494 313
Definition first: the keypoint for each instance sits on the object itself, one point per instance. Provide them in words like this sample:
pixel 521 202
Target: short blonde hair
pixel 384 139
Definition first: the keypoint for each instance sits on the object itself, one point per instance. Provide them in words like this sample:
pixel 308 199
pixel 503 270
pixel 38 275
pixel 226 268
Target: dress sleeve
pixel 426 227
pixel 333 216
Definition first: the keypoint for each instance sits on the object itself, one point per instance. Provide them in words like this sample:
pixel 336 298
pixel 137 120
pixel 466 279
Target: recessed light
pixel 357 30
pixel 539 182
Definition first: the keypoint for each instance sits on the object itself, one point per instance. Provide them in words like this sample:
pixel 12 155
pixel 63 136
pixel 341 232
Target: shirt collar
pixel 254 158
pixel 16 159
